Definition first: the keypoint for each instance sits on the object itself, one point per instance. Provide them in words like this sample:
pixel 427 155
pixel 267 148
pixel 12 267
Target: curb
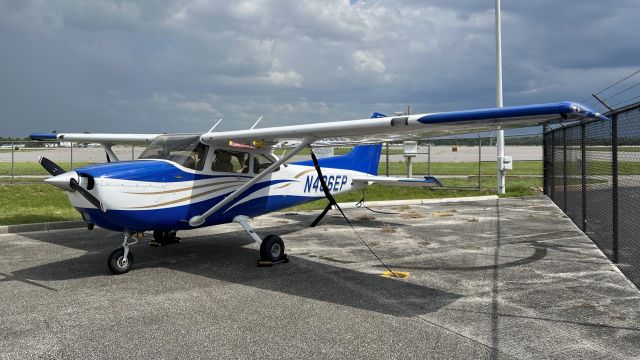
pixel 47 226
pixel 419 201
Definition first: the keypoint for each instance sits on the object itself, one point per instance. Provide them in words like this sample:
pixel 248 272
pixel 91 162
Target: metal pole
pixel 500 158
pixel 583 166
pixel 500 135
pixel 387 156
pixel 614 176
pixel 12 162
pixel 133 157
pixel 409 167
pixel 71 166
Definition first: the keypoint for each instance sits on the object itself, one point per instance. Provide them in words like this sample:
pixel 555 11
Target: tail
pixel 363 158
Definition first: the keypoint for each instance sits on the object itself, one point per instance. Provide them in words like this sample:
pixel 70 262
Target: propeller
pixel 86 194
pixel 51 167
pixel 66 181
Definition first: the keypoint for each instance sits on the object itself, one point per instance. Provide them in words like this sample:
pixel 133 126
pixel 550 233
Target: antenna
pixel 255 123
pixel 214 126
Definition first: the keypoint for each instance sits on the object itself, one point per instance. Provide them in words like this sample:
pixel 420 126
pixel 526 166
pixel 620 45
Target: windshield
pixel 186 150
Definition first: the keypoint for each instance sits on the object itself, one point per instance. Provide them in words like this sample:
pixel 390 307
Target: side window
pixel 261 163
pixel 230 161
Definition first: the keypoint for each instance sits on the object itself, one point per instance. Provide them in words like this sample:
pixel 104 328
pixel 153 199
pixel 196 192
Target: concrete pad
pixel 508 278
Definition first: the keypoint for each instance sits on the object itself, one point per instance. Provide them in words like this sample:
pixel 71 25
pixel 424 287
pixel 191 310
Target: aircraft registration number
pixel 334 183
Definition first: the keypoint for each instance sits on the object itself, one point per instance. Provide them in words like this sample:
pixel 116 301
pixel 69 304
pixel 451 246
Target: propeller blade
pixel 51 167
pixel 87 195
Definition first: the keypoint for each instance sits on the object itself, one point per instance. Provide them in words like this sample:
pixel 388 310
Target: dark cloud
pixel 177 65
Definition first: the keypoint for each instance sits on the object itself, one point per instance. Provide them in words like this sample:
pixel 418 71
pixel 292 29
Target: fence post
pixel 429 160
pixel 583 166
pixel 386 151
pixel 133 157
pixel 614 176
pixel 479 162
pixel 12 162
pixel 564 169
pixel 545 160
pixel 71 166
pixel 553 165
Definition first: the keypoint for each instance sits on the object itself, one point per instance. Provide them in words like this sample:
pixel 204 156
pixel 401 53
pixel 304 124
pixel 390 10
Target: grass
pixel 23 204
pixel 32 203
pixel 462 168
pixel 33 168
pixel 516 187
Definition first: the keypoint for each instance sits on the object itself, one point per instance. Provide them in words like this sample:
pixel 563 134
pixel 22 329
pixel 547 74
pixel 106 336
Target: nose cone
pixel 62 180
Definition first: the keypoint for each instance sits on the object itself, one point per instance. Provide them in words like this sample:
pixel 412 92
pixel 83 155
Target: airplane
pixel 187 181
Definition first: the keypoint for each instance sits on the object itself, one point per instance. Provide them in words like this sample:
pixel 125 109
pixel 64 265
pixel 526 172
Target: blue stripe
pixel 510 112
pixel 43 136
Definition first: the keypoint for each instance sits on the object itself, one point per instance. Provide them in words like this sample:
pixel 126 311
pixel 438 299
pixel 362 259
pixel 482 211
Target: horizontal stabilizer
pixel 427 181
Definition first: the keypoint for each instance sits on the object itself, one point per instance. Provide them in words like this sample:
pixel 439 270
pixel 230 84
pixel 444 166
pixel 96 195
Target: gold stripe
pixel 303 172
pixel 283 186
pixel 182 199
pixel 184 188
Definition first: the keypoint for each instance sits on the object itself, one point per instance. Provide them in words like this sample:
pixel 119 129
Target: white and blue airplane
pixel 187 181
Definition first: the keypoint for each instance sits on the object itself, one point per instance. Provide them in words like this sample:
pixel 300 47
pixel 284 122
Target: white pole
pixel 500 133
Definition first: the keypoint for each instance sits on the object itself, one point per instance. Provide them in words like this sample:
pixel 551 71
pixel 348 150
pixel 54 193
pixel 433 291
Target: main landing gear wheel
pixel 161 238
pixel 118 264
pixel 272 249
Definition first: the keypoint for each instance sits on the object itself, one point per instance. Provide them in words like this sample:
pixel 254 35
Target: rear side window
pixel 230 161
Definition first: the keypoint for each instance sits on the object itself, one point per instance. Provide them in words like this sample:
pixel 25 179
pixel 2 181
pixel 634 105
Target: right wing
pixel 412 127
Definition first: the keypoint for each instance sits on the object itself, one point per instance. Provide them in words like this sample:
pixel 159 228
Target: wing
pixel 417 126
pixel 106 139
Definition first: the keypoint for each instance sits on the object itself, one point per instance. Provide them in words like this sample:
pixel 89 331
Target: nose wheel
pixel 119 263
pixel 120 260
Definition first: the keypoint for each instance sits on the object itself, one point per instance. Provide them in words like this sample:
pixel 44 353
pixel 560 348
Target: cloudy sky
pixel 176 66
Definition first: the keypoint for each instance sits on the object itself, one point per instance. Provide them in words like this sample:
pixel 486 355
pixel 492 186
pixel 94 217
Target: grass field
pixel 22 204
pixel 32 203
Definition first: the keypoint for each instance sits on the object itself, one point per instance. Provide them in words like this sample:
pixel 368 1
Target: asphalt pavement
pixel 509 278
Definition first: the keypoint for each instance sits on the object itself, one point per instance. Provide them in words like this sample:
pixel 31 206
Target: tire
pixel 272 248
pixel 164 237
pixel 116 264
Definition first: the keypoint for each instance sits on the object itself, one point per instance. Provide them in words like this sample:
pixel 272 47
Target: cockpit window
pixel 186 150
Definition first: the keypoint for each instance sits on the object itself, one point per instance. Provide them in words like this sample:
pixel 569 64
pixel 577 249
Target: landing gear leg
pixel 121 259
pixel 271 247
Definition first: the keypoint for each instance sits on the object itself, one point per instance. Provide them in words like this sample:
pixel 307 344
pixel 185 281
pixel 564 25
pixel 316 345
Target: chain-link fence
pixel 592 172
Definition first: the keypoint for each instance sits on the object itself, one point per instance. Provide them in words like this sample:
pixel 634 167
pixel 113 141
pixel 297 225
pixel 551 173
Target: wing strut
pixel 200 219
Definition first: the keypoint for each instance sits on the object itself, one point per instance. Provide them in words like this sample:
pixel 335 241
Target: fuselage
pixel 161 194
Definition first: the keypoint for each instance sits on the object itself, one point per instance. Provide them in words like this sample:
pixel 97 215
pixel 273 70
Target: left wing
pixel 417 126
pixel 105 139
